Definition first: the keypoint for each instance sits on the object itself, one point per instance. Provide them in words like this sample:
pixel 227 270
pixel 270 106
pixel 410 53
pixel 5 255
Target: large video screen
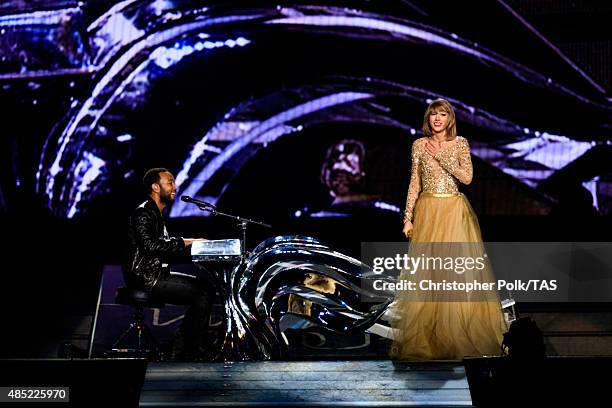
pixel 292 111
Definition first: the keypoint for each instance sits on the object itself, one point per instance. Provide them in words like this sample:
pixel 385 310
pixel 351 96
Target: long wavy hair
pixel 436 106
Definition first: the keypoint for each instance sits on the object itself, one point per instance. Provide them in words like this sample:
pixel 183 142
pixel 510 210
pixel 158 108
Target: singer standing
pixel 149 250
pixel 444 325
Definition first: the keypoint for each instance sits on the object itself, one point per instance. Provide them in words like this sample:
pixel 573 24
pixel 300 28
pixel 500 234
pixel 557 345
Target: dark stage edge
pixel 306 383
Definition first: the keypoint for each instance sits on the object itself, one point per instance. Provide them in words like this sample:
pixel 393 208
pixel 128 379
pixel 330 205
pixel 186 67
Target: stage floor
pixel 306 383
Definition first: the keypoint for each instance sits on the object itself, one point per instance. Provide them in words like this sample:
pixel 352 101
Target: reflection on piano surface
pixel 287 283
pixel 314 281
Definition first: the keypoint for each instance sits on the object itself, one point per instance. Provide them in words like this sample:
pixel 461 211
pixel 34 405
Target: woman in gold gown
pixel 444 326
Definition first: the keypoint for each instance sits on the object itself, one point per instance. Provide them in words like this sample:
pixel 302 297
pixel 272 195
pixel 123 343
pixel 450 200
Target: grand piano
pixel 287 284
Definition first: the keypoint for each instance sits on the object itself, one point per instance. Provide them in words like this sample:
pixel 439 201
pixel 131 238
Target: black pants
pixel 190 340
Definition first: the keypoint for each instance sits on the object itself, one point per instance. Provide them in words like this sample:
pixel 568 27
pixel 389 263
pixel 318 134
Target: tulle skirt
pixel 447 326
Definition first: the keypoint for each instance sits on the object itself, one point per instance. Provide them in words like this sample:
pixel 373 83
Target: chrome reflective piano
pixel 287 283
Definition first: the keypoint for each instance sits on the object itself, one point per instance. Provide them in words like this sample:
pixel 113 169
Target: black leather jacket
pixel 148 247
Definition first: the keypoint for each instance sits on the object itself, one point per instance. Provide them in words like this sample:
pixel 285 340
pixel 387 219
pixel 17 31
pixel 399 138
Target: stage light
pixel 241 41
pixel 524 340
pixel 124 138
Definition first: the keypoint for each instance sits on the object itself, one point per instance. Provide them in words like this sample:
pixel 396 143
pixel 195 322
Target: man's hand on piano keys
pixel 189 241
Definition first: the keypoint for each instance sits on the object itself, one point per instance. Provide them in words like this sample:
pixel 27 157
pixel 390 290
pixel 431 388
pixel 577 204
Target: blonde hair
pixel 438 105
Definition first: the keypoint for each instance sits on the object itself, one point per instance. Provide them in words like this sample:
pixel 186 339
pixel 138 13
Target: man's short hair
pixel 152 176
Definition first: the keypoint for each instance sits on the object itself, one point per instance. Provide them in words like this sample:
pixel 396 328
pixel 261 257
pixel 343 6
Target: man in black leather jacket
pixel 150 248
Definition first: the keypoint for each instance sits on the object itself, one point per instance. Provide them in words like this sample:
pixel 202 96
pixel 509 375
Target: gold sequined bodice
pixel 439 174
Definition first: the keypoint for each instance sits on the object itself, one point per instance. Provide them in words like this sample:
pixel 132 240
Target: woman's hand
pixel 407 229
pixel 432 148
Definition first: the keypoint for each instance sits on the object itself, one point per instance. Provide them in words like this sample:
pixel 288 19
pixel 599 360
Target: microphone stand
pixel 241 221
pixel 233 345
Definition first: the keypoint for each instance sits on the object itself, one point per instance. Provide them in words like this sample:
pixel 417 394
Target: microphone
pixel 195 201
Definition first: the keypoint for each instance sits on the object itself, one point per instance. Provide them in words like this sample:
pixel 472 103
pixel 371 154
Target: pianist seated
pixel 149 249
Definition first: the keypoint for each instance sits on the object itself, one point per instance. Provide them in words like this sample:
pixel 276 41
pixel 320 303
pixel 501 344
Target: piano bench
pixel 136 297
pixel 146 345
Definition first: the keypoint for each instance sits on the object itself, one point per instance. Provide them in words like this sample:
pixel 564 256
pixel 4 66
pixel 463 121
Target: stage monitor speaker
pixel 95 382
pixel 548 381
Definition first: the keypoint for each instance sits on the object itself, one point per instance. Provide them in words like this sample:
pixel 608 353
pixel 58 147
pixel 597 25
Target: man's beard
pixel 166 198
